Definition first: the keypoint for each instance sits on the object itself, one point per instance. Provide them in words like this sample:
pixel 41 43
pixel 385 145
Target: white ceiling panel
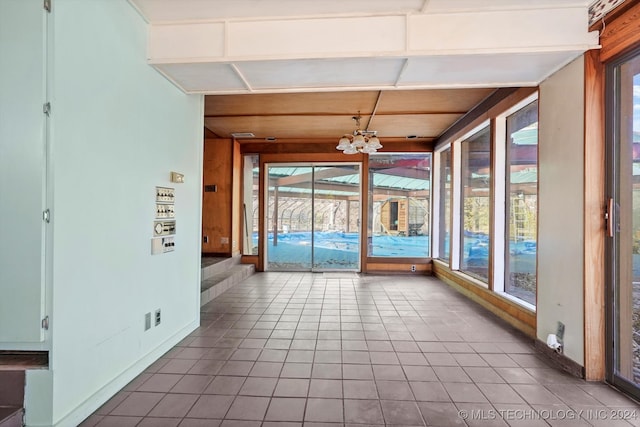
pixel 318 73
pixel 445 6
pixel 483 70
pixel 203 77
pixel 158 11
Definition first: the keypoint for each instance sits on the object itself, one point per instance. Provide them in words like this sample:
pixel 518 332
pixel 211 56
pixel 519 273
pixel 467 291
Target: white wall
pixel 561 190
pixel 117 130
pixel 22 171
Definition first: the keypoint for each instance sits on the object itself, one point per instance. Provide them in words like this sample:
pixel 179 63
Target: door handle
pixel 609 217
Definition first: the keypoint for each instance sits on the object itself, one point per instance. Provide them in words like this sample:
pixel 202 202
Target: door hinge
pixel 46 108
pixel 45 323
pixel 47 5
pixel 46 216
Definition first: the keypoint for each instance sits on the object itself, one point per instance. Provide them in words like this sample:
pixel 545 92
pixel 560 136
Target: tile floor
pixel 332 349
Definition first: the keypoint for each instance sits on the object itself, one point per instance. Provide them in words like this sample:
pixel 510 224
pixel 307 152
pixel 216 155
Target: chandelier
pixel 361 141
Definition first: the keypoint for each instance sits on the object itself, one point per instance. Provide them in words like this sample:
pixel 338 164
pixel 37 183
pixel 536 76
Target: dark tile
pixel 236 367
pixel 430 392
pixel 394 390
pixel 451 374
pixel 206 367
pixel 288 387
pixel 271 355
pixel 160 382
pixel 213 406
pixel 357 372
pixel 177 366
pixel 500 393
pixel 218 353
pixel 388 372
pixel 363 412
pixel 483 375
pixel 328 356
pixel 327 370
pixel 159 422
pixel 383 358
pixel 225 385
pixel 300 344
pixel 192 384
pixel 240 423
pixel 258 386
pixel 359 389
pixel 192 422
pixel 419 373
pixel 174 405
pixel 499 360
pixel 535 394
pixel 300 356
pixel 266 369
pixel 324 410
pixel 401 413
pixel 248 408
pixel 468 359
pixel 118 421
pixel 325 388
pixel 286 409
pixel 112 403
pixel 137 404
pixel 296 370
pixel 440 414
pixel 465 392
pixel 250 354
pixel 412 359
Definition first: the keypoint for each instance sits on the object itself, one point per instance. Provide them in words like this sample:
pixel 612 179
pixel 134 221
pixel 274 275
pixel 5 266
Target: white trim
pixel 435 205
pixel 454 238
pixel 458 192
pixel 500 228
pixel 519 106
pixel 499 202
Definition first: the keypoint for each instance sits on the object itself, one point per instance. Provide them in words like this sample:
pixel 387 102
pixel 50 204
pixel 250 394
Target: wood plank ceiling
pixel 421 115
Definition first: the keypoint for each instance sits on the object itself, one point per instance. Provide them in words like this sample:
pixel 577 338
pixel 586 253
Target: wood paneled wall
pixel 217 206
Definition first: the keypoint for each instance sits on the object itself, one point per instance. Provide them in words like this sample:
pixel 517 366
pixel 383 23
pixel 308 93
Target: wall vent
pixel 240 135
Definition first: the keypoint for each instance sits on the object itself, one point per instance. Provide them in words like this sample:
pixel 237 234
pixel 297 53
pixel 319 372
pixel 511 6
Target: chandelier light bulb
pixel 360 142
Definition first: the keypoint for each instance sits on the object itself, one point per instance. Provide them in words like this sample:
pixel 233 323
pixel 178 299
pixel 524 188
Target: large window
pixel 521 200
pixel 399 203
pixel 475 197
pixel 444 208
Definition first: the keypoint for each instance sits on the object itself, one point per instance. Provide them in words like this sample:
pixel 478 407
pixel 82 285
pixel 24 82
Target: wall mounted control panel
pixel 164 225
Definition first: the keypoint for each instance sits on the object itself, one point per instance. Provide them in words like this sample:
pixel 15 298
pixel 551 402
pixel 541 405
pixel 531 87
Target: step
pixel 12 388
pixel 222 281
pixel 214 265
pixel 11 416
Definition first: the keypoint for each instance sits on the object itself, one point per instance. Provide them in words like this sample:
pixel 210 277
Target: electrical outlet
pixel 224 240
pixel 413 268
pixel 158 317
pixel 147 321
pixel 560 331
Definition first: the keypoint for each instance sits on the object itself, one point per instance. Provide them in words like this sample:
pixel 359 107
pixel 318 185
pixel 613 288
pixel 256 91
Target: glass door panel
pixel 625 250
pixel 313 217
pixel 336 199
pixel 289 218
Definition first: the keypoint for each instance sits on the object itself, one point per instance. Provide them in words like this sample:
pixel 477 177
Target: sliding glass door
pixel 624 223
pixel 313 217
